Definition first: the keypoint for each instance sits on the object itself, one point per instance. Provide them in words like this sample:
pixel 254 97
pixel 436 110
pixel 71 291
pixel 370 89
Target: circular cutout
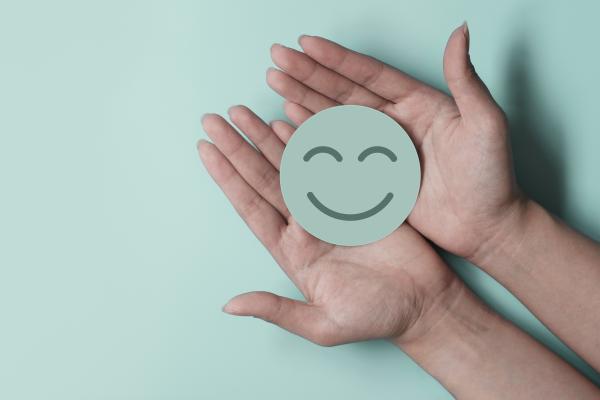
pixel 350 175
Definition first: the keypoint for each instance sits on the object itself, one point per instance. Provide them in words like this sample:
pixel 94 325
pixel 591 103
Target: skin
pixel 397 288
pixel 469 202
pixel 468 187
pixel 357 293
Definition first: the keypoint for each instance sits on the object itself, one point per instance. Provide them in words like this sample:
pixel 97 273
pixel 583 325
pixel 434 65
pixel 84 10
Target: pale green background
pixel 117 251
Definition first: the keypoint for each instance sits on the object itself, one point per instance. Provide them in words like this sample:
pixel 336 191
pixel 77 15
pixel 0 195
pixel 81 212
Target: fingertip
pixel 229 309
pixel 236 305
pixel 235 110
pixel 204 116
pixel 318 48
pixel 276 46
pixel 275 125
pixel 280 56
pixel 271 71
pixel 277 50
pixel 201 143
pixel 289 106
pixel 209 120
pixel 456 61
pixel 460 35
pixel 455 33
pixel 231 109
pixel 204 149
pixel 278 122
pixel 305 40
pixel 302 38
pixel 282 129
pixel 272 74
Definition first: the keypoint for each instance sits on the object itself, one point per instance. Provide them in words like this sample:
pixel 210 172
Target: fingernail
pixel 466 32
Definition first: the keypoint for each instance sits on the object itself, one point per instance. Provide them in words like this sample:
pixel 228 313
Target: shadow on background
pixel 539 166
pixel 538 141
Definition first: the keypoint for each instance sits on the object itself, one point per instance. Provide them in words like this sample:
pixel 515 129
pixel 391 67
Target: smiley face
pixel 349 216
pixel 350 175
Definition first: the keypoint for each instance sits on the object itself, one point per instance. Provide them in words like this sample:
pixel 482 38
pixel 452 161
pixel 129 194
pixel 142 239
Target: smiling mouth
pixel 349 217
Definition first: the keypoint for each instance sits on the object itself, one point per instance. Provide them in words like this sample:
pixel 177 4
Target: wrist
pixel 475 353
pixel 506 232
pixel 449 313
pixel 457 334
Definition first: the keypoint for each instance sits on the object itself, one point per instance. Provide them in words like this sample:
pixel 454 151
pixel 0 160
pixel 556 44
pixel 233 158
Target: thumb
pixel 295 316
pixel 472 97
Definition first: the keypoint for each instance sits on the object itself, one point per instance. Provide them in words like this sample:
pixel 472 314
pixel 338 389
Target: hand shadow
pixel 537 136
pixel 538 146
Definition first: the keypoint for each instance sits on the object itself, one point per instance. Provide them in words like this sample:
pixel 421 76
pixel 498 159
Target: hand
pixel 396 287
pixel 468 194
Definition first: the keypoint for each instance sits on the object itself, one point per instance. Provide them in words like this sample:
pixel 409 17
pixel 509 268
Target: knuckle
pixel 267 178
pixel 309 70
pixel 372 75
pixel 249 208
pixel 344 93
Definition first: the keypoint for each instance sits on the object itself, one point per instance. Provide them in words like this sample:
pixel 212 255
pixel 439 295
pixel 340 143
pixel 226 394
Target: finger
pixel 381 79
pixel 264 220
pixel 250 164
pixel 415 119
pixel 296 113
pixel 259 133
pixel 472 97
pixel 295 316
pixel 323 80
pixel 297 92
pixel 283 130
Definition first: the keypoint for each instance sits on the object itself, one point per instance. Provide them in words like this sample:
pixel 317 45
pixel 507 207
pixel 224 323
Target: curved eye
pixel 377 149
pixel 322 149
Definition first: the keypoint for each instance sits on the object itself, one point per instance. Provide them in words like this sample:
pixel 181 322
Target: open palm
pixel 468 188
pixel 387 289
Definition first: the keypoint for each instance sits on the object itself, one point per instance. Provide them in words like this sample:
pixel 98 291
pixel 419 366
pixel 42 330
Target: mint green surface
pixel 348 196
pixel 117 250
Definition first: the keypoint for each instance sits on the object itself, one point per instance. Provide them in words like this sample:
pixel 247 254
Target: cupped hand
pixel 468 194
pixel 394 288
